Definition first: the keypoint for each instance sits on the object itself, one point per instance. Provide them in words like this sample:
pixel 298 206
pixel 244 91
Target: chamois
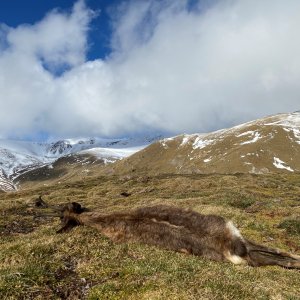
pixel 180 230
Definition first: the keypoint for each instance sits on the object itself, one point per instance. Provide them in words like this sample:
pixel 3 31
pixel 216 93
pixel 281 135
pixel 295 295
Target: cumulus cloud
pixel 172 69
pixel 57 39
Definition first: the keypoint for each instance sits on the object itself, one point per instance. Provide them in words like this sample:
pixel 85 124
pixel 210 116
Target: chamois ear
pixel 77 208
pixel 73 207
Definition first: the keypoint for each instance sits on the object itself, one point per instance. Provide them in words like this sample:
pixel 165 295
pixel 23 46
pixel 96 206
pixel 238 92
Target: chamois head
pixel 69 214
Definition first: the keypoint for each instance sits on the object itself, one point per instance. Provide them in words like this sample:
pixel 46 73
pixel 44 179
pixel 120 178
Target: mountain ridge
pixel 270 144
pixel 266 145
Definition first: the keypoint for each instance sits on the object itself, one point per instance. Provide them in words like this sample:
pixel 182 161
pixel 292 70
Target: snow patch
pixel 207 160
pixel 278 163
pixel 256 136
pixel 199 143
pixel 245 133
pixel 296 135
pixel 187 138
pixel 111 155
pixel 163 142
pixel 290 122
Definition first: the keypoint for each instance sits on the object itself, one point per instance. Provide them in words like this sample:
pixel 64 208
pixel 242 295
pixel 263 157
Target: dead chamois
pixel 179 230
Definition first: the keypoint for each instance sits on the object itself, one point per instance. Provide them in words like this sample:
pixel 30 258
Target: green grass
pixel 37 263
pixel 292 226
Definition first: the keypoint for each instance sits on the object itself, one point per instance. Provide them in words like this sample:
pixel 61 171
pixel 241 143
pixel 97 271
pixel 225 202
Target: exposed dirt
pixel 22 220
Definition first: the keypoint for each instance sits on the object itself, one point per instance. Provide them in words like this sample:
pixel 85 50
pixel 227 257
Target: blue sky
pixel 32 11
pixel 139 67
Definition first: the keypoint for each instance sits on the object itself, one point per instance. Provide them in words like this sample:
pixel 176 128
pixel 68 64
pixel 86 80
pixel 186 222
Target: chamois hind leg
pixel 259 255
pixel 241 250
pixel 234 247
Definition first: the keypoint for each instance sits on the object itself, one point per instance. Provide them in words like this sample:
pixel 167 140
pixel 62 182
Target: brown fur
pixel 179 230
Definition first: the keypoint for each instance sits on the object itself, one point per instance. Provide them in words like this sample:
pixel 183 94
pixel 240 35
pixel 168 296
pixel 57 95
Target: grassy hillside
pixel 73 166
pixel 37 263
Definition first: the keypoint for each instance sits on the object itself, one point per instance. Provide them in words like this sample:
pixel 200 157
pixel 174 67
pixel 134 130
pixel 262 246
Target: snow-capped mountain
pixel 19 157
pixel 270 144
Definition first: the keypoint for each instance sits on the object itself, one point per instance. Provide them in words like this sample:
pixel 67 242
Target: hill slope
pixel 270 144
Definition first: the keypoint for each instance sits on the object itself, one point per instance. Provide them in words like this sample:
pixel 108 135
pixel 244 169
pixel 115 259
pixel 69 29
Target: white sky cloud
pixel 171 69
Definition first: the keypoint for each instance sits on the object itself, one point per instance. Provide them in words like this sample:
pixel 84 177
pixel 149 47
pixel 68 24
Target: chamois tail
pixel 259 255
